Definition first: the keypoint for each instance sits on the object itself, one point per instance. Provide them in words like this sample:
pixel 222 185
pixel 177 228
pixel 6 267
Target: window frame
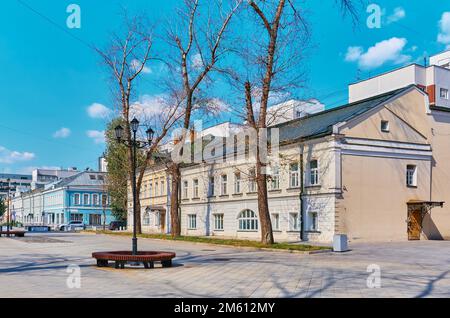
pixel 411 179
pixel 195 188
pixel 445 91
pixel 75 195
pixel 219 221
pixel 294 221
pixel 224 184
pixel 192 221
pixel 248 221
pixel 185 189
pixel 314 179
pixel 88 200
pixel 275 218
pixel 384 126
pixel 237 183
pixel 294 175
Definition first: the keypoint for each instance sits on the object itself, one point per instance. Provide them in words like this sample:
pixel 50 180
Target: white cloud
pixel 382 52
pixel 353 53
pixel 97 136
pixel 136 65
pixel 9 156
pixel 62 133
pixel 148 106
pixel 100 111
pixel 399 13
pixel 444 29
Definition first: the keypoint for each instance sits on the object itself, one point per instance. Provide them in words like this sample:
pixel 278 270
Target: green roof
pixel 321 124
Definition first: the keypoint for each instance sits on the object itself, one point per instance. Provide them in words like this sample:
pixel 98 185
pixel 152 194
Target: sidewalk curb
pixel 250 248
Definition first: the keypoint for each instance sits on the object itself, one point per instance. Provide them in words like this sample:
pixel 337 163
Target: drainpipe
pixel 301 193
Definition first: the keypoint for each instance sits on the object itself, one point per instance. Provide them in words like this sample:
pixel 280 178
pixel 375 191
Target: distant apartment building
pixel 41 177
pixel 79 196
pixel 12 183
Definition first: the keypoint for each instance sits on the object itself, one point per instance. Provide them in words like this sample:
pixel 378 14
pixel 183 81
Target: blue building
pixel 81 197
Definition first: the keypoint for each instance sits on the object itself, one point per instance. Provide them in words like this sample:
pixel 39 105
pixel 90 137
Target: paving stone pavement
pixel 37 267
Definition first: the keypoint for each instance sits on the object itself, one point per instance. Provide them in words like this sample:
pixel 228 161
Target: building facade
pixel 376 169
pixel 80 197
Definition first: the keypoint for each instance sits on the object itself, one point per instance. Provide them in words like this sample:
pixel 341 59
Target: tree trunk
pixel 174 201
pixel 263 203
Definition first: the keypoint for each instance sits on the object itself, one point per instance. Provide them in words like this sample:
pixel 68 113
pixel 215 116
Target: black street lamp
pixel 134 144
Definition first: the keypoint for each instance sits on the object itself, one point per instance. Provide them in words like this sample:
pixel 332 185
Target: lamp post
pixel 134 144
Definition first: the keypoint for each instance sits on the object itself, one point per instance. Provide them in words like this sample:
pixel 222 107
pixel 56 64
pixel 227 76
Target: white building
pixel 292 109
pixel 433 79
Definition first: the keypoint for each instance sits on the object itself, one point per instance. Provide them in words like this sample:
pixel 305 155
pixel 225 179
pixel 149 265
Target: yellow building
pixel 154 199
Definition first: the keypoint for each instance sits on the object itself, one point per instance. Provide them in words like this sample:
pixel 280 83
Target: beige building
pixel 154 199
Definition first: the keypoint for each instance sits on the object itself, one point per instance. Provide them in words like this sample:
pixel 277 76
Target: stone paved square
pixel 37 267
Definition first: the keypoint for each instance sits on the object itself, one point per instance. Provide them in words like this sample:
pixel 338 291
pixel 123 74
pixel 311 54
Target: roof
pixel 321 124
pixel 80 179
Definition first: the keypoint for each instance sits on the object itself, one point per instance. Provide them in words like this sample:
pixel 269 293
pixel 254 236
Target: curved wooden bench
pixel 122 257
pixel 15 233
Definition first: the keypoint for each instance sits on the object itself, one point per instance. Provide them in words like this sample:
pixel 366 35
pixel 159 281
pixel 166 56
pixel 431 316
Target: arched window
pixel 248 221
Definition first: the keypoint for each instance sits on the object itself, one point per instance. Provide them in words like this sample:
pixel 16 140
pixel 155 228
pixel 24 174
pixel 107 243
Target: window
pixel 237 183
pixel 275 178
pixel 293 222
pixel 150 189
pixel 86 198
pixel 158 218
pixel 76 199
pixel 294 180
pixel 185 189
pixel 444 93
pixel 313 172
pixel 252 180
pixel 384 126
pixel 275 221
pixel 162 191
pixel 156 189
pixel 224 185
pixel 218 222
pixel 95 199
pixel 147 218
pixel 76 217
pixel 104 199
pixel 95 219
pixel 211 191
pixel 248 221
pixel 312 216
pixel 192 221
pixel 195 183
pixel 92 177
pixel 411 176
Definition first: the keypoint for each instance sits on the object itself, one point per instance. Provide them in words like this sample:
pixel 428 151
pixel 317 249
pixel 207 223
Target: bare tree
pixel 196 38
pixel 126 58
pixel 271 54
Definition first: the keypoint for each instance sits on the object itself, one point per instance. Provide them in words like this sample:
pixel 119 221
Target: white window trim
pixel 292 224
pixel 217 215
pixel 190 217
pixel 414 176
pixel 294 175
pixel 316 173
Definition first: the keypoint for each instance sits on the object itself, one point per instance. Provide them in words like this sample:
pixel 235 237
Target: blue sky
pixel 50 80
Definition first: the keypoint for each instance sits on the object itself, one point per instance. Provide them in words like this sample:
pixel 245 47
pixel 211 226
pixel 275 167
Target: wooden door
pixel 414 225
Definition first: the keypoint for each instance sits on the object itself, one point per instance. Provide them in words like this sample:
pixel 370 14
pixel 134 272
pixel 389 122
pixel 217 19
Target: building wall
pixel 154 201
pixel 375 196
